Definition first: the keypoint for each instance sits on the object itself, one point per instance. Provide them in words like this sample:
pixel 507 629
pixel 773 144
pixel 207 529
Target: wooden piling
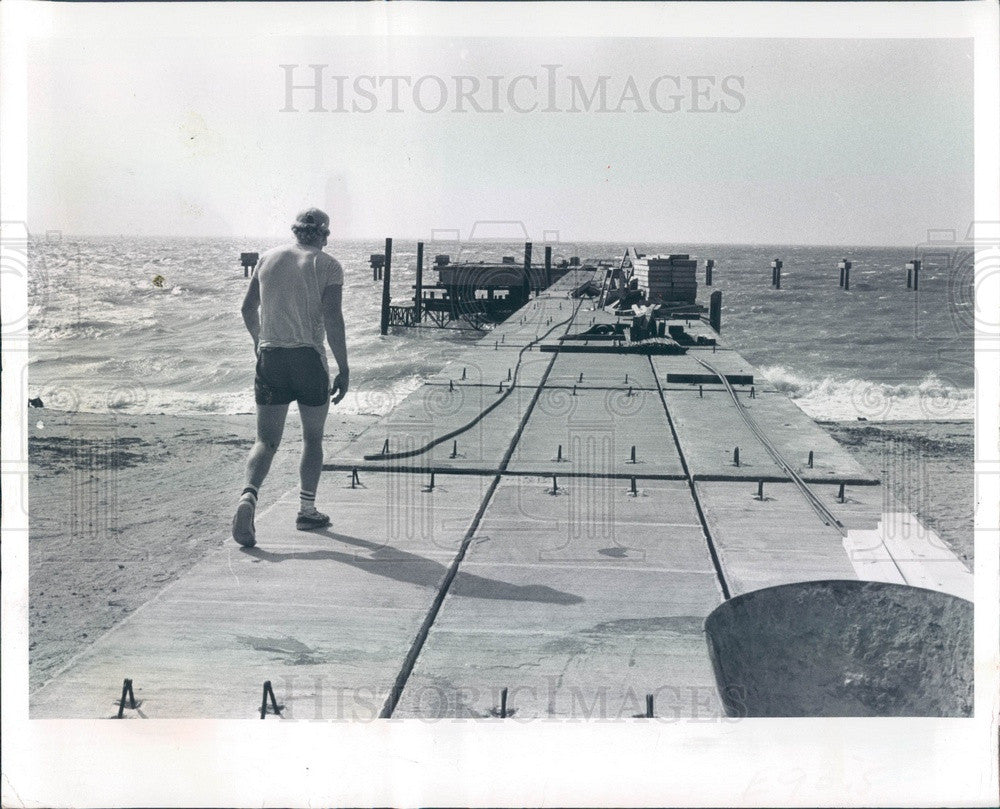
pixel 418 293
pixel 776 273
pixel 249 261
pixel 916 275
pixel 548 266
pixel 715 311
pixel 386 280
pixel 526 284
pixel 845 273
pixel 709 266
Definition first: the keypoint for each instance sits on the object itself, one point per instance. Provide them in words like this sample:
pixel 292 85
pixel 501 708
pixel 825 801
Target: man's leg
pixel 270 426
pixel 313 421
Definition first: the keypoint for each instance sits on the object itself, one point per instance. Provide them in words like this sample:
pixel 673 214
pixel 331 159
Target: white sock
pixel 307 501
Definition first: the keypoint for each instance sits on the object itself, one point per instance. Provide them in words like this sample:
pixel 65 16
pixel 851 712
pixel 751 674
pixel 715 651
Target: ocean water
pixel 104 337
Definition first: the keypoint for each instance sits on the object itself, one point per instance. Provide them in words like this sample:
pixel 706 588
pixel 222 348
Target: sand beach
pixel 122 505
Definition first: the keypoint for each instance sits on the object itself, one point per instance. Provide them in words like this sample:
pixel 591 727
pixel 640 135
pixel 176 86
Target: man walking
pixel 294 300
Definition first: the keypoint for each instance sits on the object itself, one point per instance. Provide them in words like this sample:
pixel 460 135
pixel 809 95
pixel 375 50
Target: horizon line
pixel 42 236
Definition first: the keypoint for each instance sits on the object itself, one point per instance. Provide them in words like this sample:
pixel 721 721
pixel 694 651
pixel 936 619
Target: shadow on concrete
pixel 390 562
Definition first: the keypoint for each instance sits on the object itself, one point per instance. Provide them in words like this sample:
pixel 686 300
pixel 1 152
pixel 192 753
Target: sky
pixel 784 141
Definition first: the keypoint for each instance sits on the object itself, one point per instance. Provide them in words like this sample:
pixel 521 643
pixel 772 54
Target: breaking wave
pixel 838 398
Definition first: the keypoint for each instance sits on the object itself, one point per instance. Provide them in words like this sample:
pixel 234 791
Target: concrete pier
pixel 555 524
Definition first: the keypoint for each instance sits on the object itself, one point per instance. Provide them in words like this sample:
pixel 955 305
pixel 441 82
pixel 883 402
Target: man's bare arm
pixel 333 321
pixel 251 311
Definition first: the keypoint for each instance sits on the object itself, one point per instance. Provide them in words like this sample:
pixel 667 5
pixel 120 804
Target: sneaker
pixel 243 530
pixel 308 520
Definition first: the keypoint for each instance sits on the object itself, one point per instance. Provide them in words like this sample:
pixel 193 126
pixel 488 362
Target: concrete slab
pixel 923 557
pixel 709 429
pixel 777 540
pixel 870 558
pixel 601 371
pixel 597 430
pixel 610 610
pixel 726 362
pixel 317 613
pixel 791 431
pixel 434 412
pixel 886 542
pixel 794 435
pixel 489 368
pixel 593 521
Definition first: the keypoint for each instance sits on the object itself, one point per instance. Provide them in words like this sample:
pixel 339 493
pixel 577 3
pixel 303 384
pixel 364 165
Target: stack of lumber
pixel 667 278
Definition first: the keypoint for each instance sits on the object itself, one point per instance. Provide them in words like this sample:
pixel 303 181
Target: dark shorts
pixel 285 375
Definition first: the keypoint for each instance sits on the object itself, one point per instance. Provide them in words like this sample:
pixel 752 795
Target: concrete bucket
pixel 843 648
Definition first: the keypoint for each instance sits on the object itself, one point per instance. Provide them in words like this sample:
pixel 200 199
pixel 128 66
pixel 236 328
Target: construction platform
pixel 532 533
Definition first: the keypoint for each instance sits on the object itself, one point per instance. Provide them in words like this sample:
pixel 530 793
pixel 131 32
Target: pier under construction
pixel 562 523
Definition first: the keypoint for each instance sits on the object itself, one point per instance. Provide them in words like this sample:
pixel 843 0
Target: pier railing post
pixel 384 326
pixel 418 293
pixel 715 311
pixel 548 266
